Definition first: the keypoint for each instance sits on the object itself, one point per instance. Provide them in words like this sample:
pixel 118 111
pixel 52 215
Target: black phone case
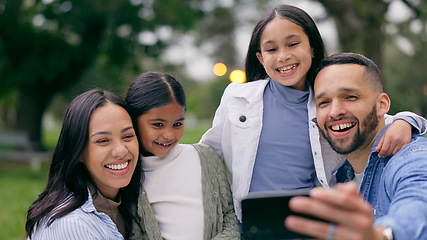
pixel 264 213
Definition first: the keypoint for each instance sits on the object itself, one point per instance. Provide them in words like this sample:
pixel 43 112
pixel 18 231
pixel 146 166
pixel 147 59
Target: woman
pixel 95 175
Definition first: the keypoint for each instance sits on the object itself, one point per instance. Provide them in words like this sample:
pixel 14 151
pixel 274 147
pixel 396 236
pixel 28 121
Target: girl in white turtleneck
pixel 185 184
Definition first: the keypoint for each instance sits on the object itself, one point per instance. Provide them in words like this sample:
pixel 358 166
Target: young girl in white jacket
pixel 265 129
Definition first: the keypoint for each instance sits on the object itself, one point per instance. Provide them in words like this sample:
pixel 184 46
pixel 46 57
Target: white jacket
pixel 236 141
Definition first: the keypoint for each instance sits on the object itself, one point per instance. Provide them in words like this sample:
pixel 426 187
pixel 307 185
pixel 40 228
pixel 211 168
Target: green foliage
pixel 47 48
pixel 363 27
pixel 404 70
pixel 205 99
pixel 50 137
pixel 406 84
pixel 183 13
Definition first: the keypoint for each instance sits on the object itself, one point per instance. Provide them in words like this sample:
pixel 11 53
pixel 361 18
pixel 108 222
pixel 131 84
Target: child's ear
pixel 259 56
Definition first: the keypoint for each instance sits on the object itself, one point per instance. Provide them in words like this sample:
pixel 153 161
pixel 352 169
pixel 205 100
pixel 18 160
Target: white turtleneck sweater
pixel 174 189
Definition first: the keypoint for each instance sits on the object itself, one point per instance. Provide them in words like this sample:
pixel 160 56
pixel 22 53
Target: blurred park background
pixel 52 50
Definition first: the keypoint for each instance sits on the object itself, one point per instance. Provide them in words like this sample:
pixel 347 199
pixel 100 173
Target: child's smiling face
pixel 286 53
pixel 160 129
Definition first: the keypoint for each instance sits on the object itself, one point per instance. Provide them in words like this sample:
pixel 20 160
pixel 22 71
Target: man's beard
pixel 370 124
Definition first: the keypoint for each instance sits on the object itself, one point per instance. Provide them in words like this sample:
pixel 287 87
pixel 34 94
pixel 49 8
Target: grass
pixel 20 186
pixel 193 135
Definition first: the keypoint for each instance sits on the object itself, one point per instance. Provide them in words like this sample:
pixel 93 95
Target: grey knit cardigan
pixel 220 221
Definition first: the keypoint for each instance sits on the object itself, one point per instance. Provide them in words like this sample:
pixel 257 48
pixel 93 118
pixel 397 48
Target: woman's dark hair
pixel 67 185
pixel 254 69
pixel 152 90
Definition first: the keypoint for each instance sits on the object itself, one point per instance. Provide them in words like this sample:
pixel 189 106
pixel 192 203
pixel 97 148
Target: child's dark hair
pixel 67 184
pixel 254 69
pixel 152 90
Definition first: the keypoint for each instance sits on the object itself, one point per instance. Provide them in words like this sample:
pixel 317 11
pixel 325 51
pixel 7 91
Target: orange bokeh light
pixel 219 69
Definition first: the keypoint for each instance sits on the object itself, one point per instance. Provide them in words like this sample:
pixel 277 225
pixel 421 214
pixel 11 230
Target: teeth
pixel 287 69
pixel 341 126
pixel 164 144
pixel 118 166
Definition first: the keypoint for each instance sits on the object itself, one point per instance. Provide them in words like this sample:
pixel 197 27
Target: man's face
pixel 346 107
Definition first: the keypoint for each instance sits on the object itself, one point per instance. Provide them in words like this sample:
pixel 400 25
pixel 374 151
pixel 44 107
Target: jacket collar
pixel 252 91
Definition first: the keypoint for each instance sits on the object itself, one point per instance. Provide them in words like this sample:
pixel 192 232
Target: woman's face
pixel 160 129
pixel 285 53
pixel 112 151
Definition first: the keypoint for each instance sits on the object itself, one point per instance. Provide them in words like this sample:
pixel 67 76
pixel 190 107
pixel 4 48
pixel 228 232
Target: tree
pixel 48 46
pixel 361 27
pixel 405 65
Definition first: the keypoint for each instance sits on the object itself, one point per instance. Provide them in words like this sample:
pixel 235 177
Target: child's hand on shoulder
pixel 394 138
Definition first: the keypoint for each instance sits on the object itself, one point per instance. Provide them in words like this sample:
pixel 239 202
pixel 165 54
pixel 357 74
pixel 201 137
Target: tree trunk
pixel 359 24
pixel 29 115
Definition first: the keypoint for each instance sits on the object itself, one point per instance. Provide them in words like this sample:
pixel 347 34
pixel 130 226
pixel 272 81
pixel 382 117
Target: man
pixel 350 106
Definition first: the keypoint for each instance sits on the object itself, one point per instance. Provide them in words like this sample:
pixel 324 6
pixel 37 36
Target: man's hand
pixel 343 206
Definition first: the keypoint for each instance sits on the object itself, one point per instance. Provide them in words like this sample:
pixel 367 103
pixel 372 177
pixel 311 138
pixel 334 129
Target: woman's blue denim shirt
pixel 396 187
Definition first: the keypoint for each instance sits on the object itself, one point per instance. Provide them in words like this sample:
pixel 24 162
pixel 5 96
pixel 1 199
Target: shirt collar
pixel 287 95
pixel 88 205
pixel 151 163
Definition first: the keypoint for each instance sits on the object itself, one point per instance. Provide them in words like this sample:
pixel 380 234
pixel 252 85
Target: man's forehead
pixel 339 76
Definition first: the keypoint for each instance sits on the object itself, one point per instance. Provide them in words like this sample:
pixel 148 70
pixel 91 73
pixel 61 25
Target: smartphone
pixel 264 213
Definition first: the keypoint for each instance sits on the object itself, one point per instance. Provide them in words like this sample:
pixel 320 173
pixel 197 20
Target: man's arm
pixel 405 182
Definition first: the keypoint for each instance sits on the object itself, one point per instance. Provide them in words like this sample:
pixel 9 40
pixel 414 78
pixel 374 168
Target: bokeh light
pixel 219 69
pixel 238 76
